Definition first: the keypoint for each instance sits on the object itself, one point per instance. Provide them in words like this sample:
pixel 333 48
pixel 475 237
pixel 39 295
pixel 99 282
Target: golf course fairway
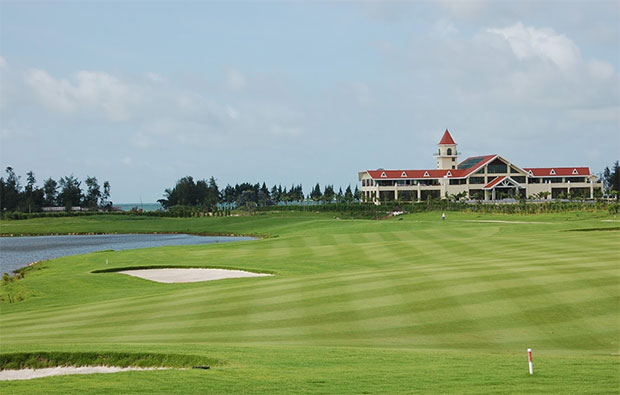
pixel 418 305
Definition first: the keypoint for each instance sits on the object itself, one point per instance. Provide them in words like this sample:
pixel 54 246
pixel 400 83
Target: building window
pixel 454 167
pixel 453 160
pixel 476 180
pixel 449 151
pixel 519 179
pixel 497 167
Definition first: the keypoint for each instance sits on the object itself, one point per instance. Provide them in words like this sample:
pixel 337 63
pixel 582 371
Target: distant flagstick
pixel 529 357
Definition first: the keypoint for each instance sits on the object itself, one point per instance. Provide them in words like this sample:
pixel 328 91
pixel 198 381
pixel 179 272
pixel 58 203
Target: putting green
pixel 378 306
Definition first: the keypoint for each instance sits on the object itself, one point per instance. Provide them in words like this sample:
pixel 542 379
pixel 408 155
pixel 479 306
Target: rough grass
pixel 418 305
pixel 38 360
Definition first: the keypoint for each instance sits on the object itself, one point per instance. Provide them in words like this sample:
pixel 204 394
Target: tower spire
pixel 446 139
pixel 447 155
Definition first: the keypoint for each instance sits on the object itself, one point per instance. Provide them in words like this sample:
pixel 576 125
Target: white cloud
pixel 463 8
pixel 140 140
pixel 154 77
pixel 5 134
pixel 443 28
pixel 529 42
pixel 280 130
pixel 232 112
pixel 600 70
pixel 602 114
pixel 55 95
pixel 361 93
pixel 235 80
pixel 90 91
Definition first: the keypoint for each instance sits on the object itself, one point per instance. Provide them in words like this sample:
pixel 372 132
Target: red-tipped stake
pixel 529 357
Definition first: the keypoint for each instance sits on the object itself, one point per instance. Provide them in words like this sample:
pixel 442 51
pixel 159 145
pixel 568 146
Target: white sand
pixel 27 374
pixel 189 275
pixel 492 221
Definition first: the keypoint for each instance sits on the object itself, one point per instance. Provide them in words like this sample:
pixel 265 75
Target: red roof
pixel 434 173
pixel 478 162
pixel 446 139
pixel 405 174
pixel 474 164
pixel 496 181
pixel 558 171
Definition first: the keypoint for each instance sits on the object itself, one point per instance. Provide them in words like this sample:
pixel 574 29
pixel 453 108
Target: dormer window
pixel 404 175
pixel 575 171
pixel 383 175
pixel 426 174
pixel 552 172
pixel 449 174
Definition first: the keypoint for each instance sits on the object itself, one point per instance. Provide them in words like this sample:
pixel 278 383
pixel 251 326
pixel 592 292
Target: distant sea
pixel 143 206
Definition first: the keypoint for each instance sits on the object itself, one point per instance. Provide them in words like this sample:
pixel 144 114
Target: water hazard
pixel 17 252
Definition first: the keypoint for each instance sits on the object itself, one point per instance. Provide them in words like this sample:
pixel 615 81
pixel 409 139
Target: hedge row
pixel 354 210
pixel 371 210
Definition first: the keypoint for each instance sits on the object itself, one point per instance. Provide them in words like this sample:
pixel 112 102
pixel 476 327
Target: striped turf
pixel 415 284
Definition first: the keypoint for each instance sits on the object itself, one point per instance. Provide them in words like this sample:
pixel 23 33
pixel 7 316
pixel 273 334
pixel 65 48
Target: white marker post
pixel 529 357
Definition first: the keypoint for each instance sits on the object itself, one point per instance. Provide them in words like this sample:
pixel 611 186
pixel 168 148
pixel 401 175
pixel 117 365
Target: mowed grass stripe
pixel 468 335
pixel 181 299
pixel 242 315
pixel 272 289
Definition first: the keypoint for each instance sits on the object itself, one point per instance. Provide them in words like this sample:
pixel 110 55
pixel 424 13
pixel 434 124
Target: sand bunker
pixel 27 374
pixel 493 221
pixel 189 275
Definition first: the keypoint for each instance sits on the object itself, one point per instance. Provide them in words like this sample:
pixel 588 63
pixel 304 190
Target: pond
pixel 17 252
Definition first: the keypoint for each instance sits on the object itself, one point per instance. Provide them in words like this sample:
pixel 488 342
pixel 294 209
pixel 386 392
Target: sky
pixel 142 93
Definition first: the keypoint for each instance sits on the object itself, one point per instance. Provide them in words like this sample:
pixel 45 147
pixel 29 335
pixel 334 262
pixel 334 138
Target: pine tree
pixel 348 195
pixel 316 193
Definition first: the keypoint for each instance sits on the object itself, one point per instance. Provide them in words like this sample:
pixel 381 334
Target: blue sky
pixel 143 93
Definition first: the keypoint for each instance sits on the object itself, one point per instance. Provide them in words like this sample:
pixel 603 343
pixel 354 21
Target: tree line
pixel 611 179
pixel 67 192
pixel 208 195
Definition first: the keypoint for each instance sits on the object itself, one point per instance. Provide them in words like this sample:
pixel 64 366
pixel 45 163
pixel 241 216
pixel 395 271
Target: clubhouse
pixel 486 178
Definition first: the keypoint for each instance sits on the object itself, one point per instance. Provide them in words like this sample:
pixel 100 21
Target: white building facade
pixel 487 178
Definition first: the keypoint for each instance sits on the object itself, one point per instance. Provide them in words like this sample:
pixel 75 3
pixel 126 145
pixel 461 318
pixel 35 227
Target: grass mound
pixel 39 360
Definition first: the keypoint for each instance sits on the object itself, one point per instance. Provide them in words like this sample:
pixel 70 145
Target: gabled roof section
pixel 502 181
pixel 558 171
pixel 474 163
pixel 495 181
pixel 446 139
pixel 414 174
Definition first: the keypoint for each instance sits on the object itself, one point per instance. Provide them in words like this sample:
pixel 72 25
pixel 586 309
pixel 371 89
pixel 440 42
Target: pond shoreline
pixel 22 251
pixel 206 234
